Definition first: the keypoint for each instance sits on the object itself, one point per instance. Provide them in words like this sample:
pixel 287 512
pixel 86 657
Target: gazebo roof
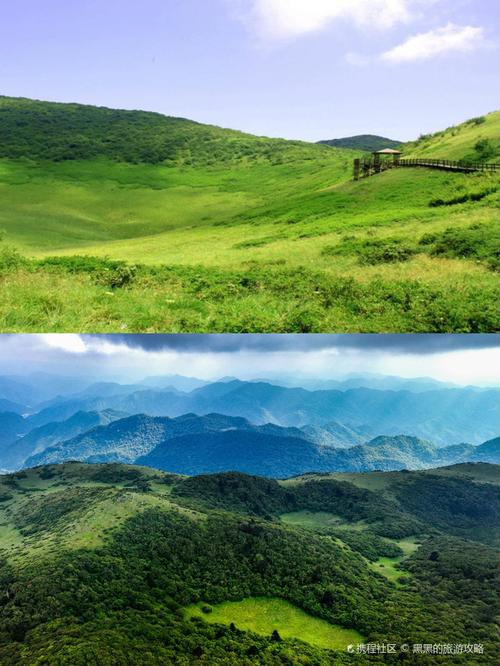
pixel 387 151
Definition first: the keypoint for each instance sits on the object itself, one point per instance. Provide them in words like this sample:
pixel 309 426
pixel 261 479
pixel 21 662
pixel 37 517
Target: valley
pixel 154 223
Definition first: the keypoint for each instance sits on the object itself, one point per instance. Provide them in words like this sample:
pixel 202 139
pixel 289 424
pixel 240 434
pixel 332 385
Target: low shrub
pixel 11 260
pixel 478 241
pixel 104 272
pixel 386 251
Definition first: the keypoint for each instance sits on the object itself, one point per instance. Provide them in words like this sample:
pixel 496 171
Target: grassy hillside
pixel 58 132
pixel 232 241
pixel 112 564
pixel 477 139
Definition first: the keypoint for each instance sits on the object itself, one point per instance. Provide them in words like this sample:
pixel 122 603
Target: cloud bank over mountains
pixel 460 359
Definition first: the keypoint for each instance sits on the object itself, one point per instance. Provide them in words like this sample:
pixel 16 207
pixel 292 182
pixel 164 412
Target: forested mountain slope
pixel 107 563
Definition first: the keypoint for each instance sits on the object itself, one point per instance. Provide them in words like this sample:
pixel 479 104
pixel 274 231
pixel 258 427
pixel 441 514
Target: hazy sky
pixel 462 359
pixel 309 69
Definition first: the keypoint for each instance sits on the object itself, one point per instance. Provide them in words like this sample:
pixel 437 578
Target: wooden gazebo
pixel 385 152
pixel 376 164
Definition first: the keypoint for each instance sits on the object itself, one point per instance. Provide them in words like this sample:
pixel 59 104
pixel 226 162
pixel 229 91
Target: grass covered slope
pixel 272 237
pixel 112 564
pixel 477 139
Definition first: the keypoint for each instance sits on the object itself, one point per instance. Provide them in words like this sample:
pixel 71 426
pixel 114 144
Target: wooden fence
pixel 369 167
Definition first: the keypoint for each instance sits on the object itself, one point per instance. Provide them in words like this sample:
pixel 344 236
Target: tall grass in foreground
pixel 85 294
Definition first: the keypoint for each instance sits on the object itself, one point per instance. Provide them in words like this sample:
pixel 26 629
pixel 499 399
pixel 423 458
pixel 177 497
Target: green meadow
pixel 319 520
pixel 263 615
pixel 235 233
pixel 388 566
pixel 343 532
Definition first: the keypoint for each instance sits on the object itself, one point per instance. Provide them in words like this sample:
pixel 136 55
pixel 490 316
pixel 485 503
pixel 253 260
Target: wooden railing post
pixel 357 167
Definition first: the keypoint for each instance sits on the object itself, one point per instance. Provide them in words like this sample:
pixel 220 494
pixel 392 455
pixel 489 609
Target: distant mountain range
pixel 251 426
pixel 27 394
pixel 50 434
pixel 281 457
pixel 447 416
pixel 192 444
pixel 378 382
pixel 128 439
pixel 368 142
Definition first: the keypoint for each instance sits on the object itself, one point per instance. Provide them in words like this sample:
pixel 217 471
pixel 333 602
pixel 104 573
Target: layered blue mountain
pixel 192 444
pixel 252 426
pixel 50 434
pixel 280 457
pixel 12 426
pixel 129 439
pixel 445 416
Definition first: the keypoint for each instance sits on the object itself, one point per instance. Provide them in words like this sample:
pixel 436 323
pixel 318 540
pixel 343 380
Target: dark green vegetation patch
pixel 60 132
pixel 219 538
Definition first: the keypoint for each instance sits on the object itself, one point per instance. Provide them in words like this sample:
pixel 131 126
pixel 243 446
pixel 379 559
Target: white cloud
pixel 290 18
pixel 435 42
pixel 68 342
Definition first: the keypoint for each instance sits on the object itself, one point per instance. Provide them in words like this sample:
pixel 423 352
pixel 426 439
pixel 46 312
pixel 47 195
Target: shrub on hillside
pixel 478 241
pixel 385 251
pixel 105 272
pixel 485 149
pixel 11 260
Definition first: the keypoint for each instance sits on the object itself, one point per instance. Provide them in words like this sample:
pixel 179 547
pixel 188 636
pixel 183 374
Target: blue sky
pixel 307 69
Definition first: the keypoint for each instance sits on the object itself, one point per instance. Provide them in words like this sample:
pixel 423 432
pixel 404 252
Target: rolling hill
pixel 130 201
pixel 115 564
pixel 365 142
pixel 476 139
pixel 58 132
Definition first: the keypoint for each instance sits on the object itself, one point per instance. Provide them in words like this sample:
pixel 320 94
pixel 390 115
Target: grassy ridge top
pixel 477 139
pixel 60 131
pixel 57 132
